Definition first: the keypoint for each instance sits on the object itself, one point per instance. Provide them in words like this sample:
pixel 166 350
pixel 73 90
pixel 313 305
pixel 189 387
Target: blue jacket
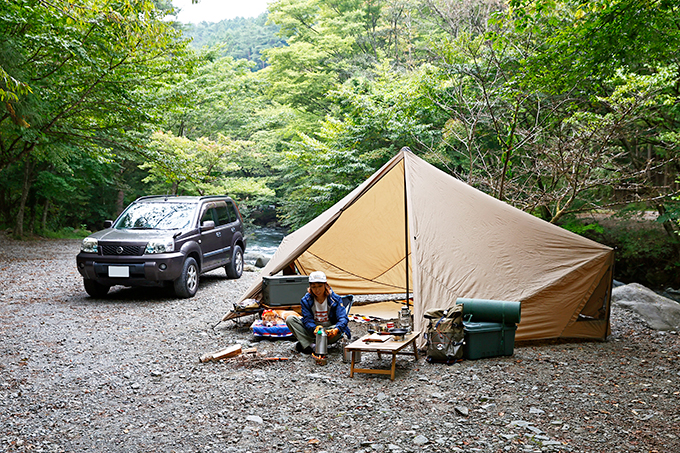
pixel 336 313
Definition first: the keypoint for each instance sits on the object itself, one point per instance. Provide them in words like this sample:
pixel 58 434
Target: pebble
pixel 420 440
pixel 462 410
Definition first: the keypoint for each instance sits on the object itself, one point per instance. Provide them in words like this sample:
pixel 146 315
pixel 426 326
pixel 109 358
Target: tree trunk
pixel 26 186
pixel 671 231
pixel 43 222
pixel 120 200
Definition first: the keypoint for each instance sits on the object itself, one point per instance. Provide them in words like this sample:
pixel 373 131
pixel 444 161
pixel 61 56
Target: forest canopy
pixel 557 107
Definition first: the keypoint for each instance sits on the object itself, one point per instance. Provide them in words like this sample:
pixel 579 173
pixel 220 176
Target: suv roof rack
pixel 146 197
pixel 206 197
pixel 201 197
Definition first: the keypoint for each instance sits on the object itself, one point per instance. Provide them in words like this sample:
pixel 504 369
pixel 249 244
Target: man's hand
pixel 317 329
pixel 333 332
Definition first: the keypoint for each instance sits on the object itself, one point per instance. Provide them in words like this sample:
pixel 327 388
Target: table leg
pixel 351 368
pixel 415 350
pixel 394 362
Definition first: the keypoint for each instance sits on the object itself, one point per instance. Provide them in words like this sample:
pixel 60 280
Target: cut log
pixel 231 351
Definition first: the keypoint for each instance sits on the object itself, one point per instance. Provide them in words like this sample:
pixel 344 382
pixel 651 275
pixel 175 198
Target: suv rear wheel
pixel 95 289
pixel 187 283
pixel 235 268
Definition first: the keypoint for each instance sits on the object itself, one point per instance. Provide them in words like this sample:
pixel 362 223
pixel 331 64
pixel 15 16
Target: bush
pixel 643 251
pixel 67 233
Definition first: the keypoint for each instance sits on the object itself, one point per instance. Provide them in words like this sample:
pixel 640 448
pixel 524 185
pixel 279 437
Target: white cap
pixel 317 277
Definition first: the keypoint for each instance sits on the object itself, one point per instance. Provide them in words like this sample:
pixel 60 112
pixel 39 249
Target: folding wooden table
pixel 390 346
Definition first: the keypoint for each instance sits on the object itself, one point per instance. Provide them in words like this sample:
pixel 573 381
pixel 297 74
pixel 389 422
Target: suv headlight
pixel 89 245
pixel 160 246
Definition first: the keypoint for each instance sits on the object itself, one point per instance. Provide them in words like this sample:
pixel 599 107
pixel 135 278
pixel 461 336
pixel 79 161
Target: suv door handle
pixel 233 229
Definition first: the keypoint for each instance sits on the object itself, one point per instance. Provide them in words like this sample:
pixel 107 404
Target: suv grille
pixel 127 250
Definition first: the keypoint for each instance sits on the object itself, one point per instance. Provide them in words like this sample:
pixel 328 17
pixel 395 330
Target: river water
pixel 262 242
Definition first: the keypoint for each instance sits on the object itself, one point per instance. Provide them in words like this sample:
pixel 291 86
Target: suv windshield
pixel 156 216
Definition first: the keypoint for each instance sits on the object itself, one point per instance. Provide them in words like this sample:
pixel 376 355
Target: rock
pixel 420 440
pixel 534 429
pixel 660 313
pixel 462 410
pixel 254 419
pixel 261 261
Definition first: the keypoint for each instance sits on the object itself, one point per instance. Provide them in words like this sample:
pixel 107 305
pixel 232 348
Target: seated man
pixel 321 308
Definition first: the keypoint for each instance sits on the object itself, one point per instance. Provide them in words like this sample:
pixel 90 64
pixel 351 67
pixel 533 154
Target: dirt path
pixel 122 374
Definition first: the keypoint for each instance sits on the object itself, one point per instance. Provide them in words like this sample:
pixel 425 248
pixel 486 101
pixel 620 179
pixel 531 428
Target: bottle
pixel 321 342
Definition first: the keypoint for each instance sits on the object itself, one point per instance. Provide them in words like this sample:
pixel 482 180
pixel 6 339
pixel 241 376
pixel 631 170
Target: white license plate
pixel 119 271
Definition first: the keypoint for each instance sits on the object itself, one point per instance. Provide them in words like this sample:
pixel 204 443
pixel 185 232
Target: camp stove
pixel 321 347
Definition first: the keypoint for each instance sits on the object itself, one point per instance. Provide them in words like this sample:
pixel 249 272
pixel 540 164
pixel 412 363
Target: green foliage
pixel 240 38
pixel 583 229
pixel 174 161
pixel 92 70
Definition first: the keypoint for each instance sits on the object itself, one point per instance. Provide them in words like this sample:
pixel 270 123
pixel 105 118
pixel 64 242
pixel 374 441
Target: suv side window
pixel 207 215
pixel 223 215
pixel 232 212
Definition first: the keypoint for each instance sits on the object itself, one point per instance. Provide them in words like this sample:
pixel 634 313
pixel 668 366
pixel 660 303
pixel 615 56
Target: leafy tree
pixel 91 70
pixel 172 161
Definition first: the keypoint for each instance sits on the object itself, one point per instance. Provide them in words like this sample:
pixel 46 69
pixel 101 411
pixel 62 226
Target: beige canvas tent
pixel 460 242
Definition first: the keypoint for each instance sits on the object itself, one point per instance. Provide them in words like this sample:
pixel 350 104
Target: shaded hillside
pixel 241 37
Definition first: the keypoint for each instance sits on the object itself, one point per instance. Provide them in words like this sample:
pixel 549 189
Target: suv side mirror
pixel 208 225
pixel 108 223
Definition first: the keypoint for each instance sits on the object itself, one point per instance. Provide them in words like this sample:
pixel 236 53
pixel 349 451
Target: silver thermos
pixel 321 342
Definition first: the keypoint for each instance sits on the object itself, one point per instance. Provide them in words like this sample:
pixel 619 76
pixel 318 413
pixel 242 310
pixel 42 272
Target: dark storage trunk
pixel 488 339
pixel 284 290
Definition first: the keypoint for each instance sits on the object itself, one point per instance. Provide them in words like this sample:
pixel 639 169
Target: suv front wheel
pixel 235 268
pixel 187 283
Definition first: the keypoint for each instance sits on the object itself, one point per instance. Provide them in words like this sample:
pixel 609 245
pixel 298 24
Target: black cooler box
pixel 284 289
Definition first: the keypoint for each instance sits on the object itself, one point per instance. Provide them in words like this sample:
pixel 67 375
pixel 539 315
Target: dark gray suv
pixel 164 241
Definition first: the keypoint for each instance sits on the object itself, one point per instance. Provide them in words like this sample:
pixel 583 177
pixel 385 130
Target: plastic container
pixel 488 339
pixel 484 310
pixel 284 290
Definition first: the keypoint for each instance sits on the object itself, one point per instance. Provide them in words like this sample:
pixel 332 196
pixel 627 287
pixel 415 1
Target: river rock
pixel 658 312
pixel 261 261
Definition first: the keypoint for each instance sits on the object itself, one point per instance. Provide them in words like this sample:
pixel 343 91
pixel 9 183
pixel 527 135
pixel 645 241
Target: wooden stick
pixel 231 351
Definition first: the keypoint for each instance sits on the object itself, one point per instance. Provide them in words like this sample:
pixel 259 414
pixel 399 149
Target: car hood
pixel 111 234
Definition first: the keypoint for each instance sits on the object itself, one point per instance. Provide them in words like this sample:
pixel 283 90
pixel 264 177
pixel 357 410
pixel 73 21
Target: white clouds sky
pixel 217 10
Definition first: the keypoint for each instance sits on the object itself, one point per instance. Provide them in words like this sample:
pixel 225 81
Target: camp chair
pixel 347 302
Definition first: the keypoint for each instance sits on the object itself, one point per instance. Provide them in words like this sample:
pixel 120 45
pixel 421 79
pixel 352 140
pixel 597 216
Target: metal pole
pixel 408 305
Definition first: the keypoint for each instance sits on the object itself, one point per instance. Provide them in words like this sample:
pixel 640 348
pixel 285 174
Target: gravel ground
pixel 122 374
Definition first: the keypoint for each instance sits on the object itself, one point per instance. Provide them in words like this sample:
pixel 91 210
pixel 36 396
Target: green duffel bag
pixel 445 334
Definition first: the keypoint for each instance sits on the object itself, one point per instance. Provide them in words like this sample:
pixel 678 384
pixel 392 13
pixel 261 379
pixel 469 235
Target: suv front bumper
pixel 146 270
